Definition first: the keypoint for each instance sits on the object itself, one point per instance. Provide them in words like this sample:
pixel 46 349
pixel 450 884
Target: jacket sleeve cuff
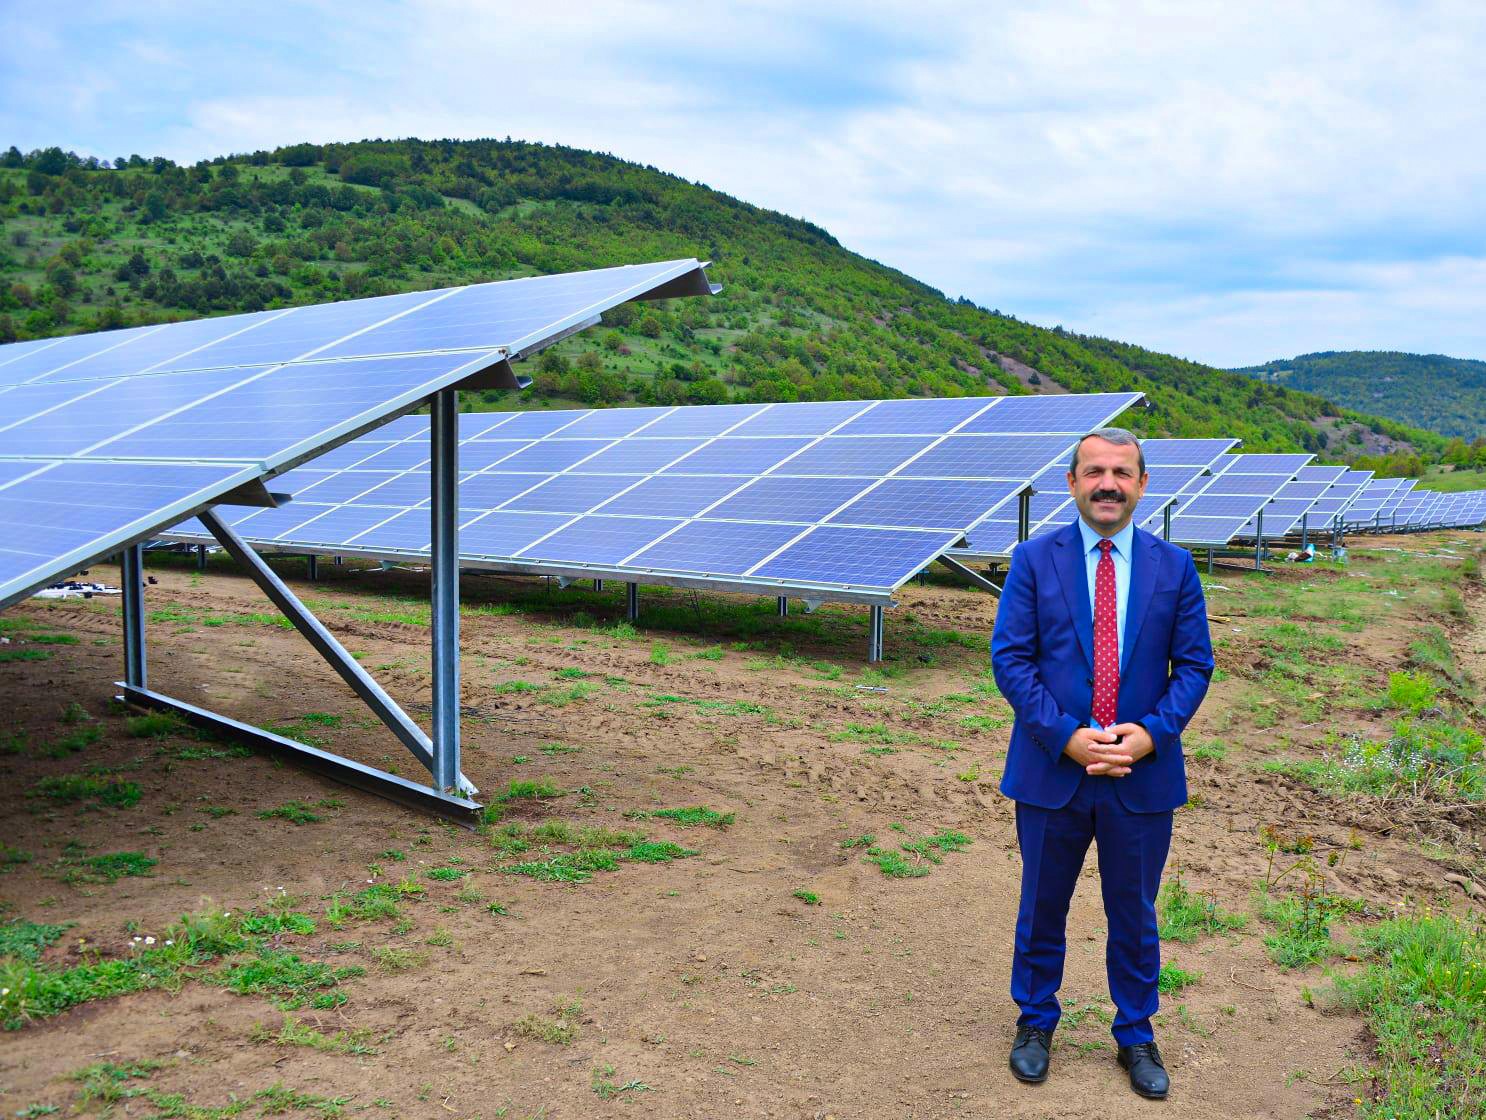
pixel 1062 731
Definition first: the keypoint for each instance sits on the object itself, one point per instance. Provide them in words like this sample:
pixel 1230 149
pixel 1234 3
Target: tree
pixel 155 207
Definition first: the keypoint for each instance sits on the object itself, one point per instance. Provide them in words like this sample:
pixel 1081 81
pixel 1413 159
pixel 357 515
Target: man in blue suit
pixel 1101 647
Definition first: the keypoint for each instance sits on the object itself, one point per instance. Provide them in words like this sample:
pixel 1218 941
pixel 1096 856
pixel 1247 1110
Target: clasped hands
pixel 1111 751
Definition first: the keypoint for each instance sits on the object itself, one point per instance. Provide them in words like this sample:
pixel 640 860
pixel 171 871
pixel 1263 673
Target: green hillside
pixel 90 246
pixel 1431 391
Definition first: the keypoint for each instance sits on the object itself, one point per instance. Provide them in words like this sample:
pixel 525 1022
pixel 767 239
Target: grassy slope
pixel 1431 391
pixel 800 317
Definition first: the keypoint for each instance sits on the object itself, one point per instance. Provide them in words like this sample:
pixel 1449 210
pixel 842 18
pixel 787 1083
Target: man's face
pixel 1108 484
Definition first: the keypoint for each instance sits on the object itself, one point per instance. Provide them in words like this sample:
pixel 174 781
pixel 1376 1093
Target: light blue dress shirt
pixel 1124 541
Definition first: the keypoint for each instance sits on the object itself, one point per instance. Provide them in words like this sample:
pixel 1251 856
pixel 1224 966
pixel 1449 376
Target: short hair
pixel 1122 437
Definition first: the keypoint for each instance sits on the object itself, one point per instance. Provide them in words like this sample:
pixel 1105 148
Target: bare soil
pixel 705 979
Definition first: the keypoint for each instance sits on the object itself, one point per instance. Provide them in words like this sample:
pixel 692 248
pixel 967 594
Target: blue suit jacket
pixel 1042 654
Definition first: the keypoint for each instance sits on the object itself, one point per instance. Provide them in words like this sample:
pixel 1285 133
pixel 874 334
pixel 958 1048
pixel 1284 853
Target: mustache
pixel 1106 496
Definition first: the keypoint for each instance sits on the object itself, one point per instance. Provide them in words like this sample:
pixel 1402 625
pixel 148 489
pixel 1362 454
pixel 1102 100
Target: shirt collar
pixel 1122 540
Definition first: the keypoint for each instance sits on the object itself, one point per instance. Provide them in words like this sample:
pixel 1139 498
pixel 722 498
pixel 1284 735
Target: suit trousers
pixel 1132 854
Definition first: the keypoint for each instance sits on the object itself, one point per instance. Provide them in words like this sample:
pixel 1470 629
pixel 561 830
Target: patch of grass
pixel 73 712
pixel 273 924
pixel 580 866
pixel 106 1083
pixel 551 750
pixel 1413 692
pixel 1424 759
pixel 913 858
pixel 1423 995
pixel 374 903
pixel 689 817
pixel 295 812
pixel 447 874
pixel 1185 915
pixel 108 868
pixel 985 724
pixel 871 733
pixel 24 653
pixel 294 1033
pixel 1302 922
pixel 607 1090
pixel 91 790
pixel 809 898
pixel 11 858
pixel 156 725
pixel 290 981
pixel 392 958
pixel 560 1028
pixel 532 789
pixel 28 940
pixel 1210 750
pixel 79 740
pixel 1172 979
pixel 30 990
pixel 660 653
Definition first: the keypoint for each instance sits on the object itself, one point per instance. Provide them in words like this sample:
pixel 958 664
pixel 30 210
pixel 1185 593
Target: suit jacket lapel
pixel 1073 574
pixel 1145 564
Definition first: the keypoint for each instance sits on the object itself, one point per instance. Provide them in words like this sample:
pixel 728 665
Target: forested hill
pixel 1426 390
pixel 92 244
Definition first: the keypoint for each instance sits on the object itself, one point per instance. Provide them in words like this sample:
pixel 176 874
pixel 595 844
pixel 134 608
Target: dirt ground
pixel 704 986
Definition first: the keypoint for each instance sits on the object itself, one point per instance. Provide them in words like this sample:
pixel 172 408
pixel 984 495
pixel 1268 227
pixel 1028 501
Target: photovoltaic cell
pixel 926 504
pixel 1010 457
pixel 868 557
pixel 597 539
pixel 797 500
pixel 673 495
pixel 717 547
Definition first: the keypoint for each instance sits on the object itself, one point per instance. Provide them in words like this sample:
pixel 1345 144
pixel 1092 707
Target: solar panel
pixel 246 397
pixel 819 476
pixel 1172 465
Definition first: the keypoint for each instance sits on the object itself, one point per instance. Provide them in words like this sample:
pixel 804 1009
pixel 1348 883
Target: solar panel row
pixel 852 496
pixel 179 414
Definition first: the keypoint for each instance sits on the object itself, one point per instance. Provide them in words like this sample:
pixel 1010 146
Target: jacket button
pixel 1089 681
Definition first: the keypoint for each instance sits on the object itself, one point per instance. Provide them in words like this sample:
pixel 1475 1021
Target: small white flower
pixel 149 940
pixel 226 913
pixel 4 991
pixel 138 939
pixel 169 942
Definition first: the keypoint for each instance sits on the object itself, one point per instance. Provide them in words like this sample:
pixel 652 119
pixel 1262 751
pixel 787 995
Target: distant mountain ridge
pixel 92 244
pixel 1445 395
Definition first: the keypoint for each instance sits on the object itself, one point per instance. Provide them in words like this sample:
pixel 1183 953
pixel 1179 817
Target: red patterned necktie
pixel 1106 639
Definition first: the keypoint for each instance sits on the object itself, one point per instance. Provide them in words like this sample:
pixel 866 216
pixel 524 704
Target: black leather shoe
pixel 1029 1054
pixel 1148 1075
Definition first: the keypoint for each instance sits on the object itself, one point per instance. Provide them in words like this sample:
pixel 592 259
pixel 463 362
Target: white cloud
pixel 1230 181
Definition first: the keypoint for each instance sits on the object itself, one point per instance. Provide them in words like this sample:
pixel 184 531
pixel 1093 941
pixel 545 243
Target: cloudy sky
pixel 1229 182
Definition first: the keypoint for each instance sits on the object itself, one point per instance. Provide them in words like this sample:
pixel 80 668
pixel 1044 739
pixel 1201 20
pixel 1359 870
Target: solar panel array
pixel 1336 501
pixel 107 437
pixel 1293 502
pixel 834 497
pixel 1387 512
pixel 1171 463
pixel 1366 510
pixel 1242 485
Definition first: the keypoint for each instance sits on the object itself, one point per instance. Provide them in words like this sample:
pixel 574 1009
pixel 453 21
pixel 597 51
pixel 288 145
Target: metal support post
pixel 874 635
pixel 1304 530
pixel 444 563
pixel 312 567
pixel 598 585
pixel 632 602
pixel 1259 544
pixel 325 643
pixel 782 606
pixel 1209 561
pixel 1336 531
pixel 136 672
pixel 1024 516
pixel 338 560
pixel 1166 522
pixel 201 558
